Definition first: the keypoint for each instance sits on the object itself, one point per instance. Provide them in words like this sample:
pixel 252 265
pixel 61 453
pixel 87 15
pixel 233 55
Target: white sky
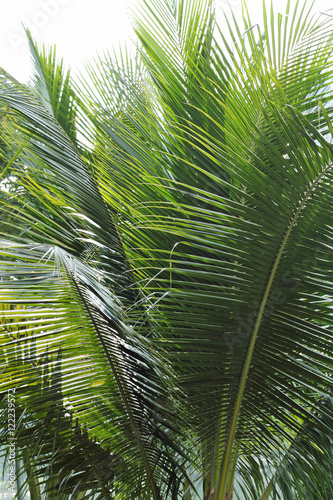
pixel 80 28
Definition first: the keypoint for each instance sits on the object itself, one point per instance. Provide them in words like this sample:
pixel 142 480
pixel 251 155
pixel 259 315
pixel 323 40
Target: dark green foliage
pixel 166 279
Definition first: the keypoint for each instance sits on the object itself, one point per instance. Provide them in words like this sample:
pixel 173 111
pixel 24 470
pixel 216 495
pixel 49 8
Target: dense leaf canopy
pixel 166 262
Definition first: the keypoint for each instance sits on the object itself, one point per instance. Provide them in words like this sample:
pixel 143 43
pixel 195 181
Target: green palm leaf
pixel 216 255
pixel 54 88
pixel 55 214
pixel 110 385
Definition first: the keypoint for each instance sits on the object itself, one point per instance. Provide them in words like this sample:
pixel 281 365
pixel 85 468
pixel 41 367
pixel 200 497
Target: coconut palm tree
pixel 166 263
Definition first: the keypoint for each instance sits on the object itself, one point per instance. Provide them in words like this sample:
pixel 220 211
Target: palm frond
pixel 216 237
pixel 61 328
pixel 53 87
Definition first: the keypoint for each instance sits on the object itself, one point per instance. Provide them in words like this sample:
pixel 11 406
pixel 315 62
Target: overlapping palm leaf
pixel 80 273
pixel 232 241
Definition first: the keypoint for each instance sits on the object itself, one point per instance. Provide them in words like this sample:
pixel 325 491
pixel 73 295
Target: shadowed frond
pixel 61 329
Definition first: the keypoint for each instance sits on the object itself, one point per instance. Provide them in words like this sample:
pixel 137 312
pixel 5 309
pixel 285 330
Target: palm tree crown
pixel 166 262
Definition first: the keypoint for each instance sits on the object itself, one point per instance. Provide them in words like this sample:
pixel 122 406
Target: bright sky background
pixel 80 28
